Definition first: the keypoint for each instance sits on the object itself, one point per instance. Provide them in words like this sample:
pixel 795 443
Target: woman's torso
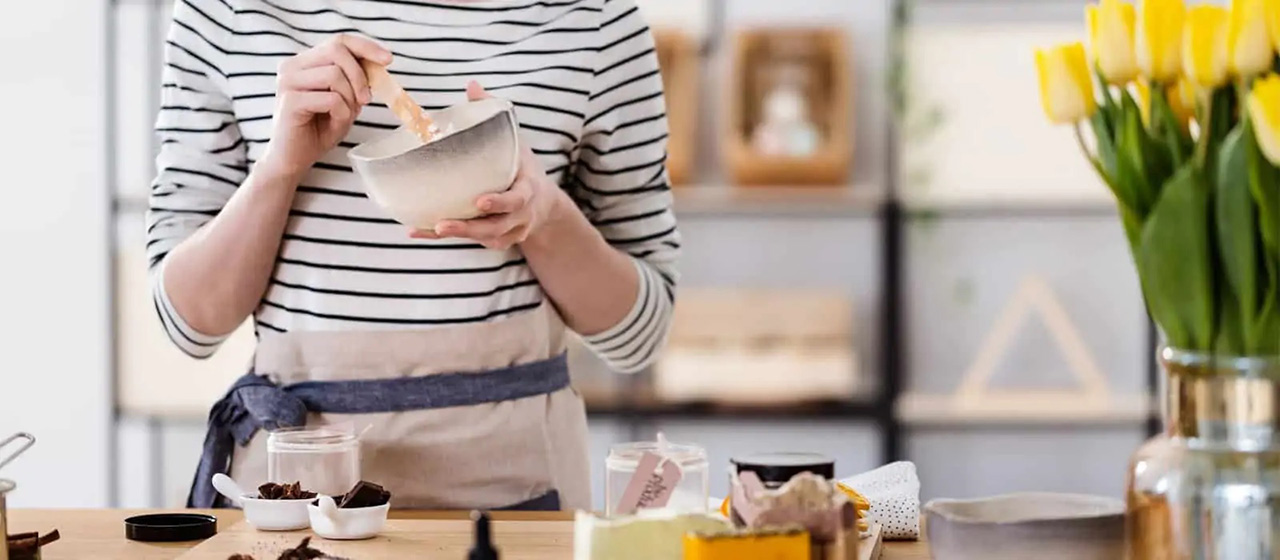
pixel 343 263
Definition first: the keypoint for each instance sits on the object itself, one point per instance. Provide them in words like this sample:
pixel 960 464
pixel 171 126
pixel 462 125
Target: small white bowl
pixel 275 515
pixel 347 524
pixel 421 184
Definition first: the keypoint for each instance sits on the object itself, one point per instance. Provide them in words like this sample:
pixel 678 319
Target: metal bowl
pixel 421 184
pixel 1030 525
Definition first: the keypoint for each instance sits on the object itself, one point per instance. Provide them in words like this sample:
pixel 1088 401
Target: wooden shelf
pixel 839 200
pixel 851 409
pixel 1003 206
pixel 1052 410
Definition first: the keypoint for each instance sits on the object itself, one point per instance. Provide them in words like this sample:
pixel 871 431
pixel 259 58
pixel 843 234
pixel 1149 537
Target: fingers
pixel 323 78
pixel 366 49
pixel 304 104
pixel 495 232
pixel 476 92
pixel 341 51
pixel 512 200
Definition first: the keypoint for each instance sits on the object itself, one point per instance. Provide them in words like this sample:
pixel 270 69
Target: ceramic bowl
pixel 275 515
pixel 347 524
pixel 1035 525
pixel 421 184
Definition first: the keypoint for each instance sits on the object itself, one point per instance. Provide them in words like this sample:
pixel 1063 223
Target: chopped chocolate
pixel 239 557
pixel 365 494
pixel 294 491
pixel 304 552
pixel 27 545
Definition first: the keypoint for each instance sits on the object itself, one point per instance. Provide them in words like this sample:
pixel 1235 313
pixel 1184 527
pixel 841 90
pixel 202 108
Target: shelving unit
pixel 882 206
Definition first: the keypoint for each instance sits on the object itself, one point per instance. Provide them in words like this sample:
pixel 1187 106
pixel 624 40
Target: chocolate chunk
pixel 294 491
pixel 239 557
pixel 304 552
pixel 365 494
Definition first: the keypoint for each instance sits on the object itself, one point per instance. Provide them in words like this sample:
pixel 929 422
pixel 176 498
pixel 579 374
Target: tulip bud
pixel 1159 42
pixel 1066 89
pixel 1111 27
pixel 1248 39
pixel 1264 112
pixel 1205 55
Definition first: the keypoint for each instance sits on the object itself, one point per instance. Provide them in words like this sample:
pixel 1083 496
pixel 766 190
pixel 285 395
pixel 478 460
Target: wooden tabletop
pixel 98 534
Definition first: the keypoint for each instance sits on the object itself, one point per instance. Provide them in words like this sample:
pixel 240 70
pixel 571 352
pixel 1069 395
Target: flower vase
pixel 1208 487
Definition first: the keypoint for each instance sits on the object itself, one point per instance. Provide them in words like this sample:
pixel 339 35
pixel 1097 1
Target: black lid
pixel 780 467
pixel 482 549
pixel 170 527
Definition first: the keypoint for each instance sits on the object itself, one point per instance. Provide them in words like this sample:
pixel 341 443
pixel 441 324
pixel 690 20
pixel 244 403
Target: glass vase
pixel 1208 487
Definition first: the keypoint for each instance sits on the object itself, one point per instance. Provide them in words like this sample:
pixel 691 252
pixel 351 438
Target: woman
pixel 448 343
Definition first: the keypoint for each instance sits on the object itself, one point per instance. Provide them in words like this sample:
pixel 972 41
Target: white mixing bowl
pixel 421 184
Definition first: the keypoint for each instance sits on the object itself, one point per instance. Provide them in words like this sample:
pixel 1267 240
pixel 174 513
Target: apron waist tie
pixel 254 402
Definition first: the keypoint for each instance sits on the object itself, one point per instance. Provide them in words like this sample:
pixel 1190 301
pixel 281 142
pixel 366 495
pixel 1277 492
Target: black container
pixel 775 469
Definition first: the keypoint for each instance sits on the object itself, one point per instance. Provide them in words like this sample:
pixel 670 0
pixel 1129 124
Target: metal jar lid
pixel 782 466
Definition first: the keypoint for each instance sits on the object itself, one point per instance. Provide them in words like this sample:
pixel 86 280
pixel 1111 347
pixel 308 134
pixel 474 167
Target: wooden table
pixel 98 534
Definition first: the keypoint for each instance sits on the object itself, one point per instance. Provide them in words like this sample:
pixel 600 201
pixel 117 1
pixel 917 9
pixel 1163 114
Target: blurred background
pixel 888 255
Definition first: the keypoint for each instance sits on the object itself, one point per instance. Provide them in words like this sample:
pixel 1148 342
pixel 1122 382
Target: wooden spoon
pixel 386 90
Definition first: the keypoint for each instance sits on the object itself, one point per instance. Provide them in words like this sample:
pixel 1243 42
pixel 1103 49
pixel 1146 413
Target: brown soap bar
pixel 365 494
pixel 294 491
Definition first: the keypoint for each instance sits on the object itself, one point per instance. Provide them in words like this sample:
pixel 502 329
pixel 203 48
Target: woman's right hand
pixel 319 93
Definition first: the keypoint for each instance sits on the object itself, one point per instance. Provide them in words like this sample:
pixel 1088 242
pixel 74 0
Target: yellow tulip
pixel 1111 24
pixel 1066 90
pixel 1205 55
pixel 1159 42
pixel 1273 21
pixel 1248 40
pixel 1264 111
pixel 1181 96
pixel 1182 99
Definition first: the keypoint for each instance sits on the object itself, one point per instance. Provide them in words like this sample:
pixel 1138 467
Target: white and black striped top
pixel 583 75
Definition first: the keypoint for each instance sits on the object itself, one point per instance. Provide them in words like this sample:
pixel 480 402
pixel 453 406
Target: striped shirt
pixel 583 76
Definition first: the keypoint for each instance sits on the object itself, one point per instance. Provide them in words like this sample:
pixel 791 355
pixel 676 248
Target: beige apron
pixel 480 456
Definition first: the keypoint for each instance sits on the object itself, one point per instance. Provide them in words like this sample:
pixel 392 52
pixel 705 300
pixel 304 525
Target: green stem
pixel 1093 159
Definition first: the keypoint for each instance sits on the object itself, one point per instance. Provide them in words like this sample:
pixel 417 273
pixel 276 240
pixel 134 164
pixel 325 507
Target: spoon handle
pixel 228 488
pixel 386 90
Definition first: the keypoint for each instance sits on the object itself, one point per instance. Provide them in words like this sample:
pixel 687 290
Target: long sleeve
pixel 202 157
pixel 620 182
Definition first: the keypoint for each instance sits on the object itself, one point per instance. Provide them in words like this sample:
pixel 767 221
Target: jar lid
pixel 782 466
pixel 170 527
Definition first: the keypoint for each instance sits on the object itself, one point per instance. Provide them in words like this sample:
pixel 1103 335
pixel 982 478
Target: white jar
pixel 325 459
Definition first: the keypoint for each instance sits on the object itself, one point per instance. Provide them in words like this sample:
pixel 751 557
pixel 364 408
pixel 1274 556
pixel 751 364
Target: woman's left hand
pixel 511 216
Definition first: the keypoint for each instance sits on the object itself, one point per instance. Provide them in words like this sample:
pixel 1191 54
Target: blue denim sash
pixel 254 402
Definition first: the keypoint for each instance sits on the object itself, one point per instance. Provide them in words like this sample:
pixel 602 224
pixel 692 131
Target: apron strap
pixel 254 402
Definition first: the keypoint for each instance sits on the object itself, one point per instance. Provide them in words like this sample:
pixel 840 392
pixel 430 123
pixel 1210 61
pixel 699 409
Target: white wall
pixel 52 237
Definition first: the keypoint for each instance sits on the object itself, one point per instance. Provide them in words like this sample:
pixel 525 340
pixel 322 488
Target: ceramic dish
pixel 264 515
pixel 1032 525
pixel 421 184
pixel 330 522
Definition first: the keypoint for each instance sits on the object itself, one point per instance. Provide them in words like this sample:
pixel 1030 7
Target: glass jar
pixel 690 494
pixel 1208 488
pixel 324 459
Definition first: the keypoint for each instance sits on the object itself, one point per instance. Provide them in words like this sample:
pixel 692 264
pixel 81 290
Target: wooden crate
pixel 678 60
pixel 758 347
pixel 826 52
